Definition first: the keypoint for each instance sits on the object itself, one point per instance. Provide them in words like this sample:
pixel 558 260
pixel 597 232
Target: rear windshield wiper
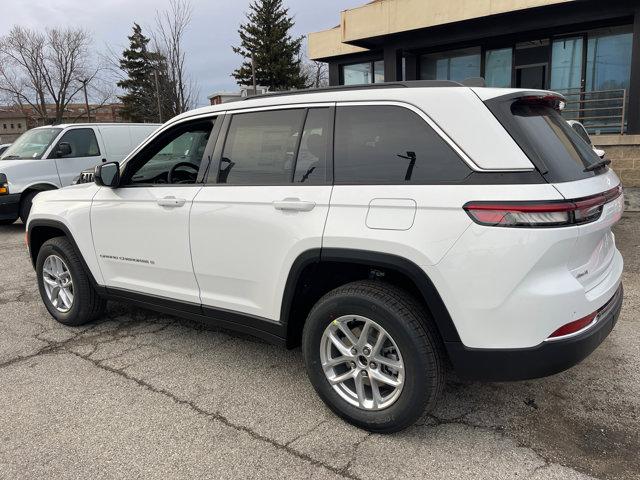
pixel 595 166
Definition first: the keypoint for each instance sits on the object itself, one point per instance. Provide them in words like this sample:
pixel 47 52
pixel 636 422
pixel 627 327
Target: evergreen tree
pixel 146 80
pixel 276 54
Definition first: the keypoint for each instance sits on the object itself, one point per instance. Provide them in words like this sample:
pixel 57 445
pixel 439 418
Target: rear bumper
pixel 9 206
pixel 542 360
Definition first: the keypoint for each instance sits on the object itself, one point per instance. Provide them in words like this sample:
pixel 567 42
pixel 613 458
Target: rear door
pixel 265 204
pixel 85 153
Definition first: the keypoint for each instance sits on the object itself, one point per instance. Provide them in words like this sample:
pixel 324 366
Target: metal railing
pixel 600 111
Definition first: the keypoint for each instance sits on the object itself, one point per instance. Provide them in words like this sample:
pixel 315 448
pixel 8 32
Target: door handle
pixel 294 204
pixel 171 202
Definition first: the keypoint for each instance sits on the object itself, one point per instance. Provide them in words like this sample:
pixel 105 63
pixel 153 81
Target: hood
pixel 22 174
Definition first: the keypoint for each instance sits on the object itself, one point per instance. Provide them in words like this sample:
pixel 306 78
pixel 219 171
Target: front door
pixel 82 152
pixel 141 228
pixel 266 204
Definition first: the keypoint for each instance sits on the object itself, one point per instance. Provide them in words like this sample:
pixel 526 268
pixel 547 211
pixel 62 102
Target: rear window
pixel 383 144
pixel 558 152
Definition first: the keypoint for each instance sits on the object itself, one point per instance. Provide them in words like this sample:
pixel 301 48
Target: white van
pixel 46 158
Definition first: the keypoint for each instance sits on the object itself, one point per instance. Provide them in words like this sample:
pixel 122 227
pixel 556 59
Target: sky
pixel 208 42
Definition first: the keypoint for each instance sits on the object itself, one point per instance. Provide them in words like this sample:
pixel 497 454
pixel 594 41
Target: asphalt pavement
pixel 145 395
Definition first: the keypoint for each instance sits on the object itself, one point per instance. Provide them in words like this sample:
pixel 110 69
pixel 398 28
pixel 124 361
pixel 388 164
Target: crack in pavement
pixel 460 420
pixel 217 416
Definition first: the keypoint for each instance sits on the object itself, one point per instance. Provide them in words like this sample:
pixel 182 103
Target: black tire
pixel 25 206
pixel 411 327
pixel 87 304
pixel 8 221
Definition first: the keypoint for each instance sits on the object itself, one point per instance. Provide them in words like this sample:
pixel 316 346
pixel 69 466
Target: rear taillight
pixel 541 214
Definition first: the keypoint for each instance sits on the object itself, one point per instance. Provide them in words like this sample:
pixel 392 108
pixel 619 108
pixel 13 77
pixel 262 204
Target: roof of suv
pixel 392 91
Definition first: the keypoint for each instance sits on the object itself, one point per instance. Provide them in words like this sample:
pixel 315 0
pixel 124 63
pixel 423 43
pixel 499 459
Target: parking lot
pixel 139 394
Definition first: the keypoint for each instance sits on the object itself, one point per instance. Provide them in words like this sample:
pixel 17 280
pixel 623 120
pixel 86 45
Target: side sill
pixel 265 329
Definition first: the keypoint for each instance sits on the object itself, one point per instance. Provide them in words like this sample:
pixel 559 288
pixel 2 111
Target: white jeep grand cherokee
pixel 388 229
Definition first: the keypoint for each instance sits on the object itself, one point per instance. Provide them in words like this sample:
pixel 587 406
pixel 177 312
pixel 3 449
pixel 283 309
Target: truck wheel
pixel 64 285
pixel 373 355
pixel 25 206
pixel 8 221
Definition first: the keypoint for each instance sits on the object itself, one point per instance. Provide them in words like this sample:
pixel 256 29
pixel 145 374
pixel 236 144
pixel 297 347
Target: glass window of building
pixel 362 73
pixel 609 59
pixel 378 71
pixel 357 73
pixel 456 65
pixel 497 67
pixel 566 63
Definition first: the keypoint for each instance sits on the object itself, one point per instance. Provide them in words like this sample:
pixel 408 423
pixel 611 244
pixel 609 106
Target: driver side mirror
pixel 107 174
pixel 63 149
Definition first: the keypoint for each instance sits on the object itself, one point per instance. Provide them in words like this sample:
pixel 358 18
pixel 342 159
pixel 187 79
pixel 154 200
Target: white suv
pixel 390 230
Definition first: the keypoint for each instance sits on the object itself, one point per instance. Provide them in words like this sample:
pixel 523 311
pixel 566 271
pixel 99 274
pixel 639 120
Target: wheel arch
pixel 38 187
pixel 317 271
pixel 41 230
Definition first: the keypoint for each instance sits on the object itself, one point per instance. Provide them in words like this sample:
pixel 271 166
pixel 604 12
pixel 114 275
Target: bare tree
pixel 316 74
pixel 37 69
pixel 22 54
pixel 168 37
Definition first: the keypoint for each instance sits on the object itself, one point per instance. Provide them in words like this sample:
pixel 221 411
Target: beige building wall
pixel 385 17
pixel 624 153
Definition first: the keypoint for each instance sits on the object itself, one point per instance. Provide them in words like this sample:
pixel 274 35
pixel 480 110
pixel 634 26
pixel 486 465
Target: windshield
pixel 552 145
pixel 31 145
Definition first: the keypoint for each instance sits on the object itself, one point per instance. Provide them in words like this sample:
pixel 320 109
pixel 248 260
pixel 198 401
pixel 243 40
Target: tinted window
pixel 83 143
pixel 175 157
pixel 260 148
pixel 551 144
pixel 391 145
pixel 311 165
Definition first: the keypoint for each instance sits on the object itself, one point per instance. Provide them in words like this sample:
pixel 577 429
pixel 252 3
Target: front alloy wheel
pixel 362 362
pixel 65 286
pixel 58 284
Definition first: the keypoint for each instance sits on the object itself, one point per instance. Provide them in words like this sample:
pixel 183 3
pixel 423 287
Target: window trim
pixel 211 177
pixel 53 145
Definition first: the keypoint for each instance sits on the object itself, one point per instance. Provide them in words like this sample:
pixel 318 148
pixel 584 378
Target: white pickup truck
pixel 47 158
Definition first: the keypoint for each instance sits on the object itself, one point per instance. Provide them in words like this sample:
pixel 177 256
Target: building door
pixel 531 76
pixel 531 64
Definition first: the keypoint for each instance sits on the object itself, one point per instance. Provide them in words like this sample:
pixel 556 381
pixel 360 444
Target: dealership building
pixel 587 50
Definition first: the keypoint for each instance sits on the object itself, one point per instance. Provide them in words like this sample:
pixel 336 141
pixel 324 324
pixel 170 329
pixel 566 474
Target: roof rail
pixel 370 86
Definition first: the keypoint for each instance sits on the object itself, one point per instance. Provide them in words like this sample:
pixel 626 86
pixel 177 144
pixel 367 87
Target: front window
pixel 82 142
pixel 456 65
pixel 173 158
pixel 31 145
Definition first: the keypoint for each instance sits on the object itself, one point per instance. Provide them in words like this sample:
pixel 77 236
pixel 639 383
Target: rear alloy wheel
pixel 362 362
pixel 373 355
